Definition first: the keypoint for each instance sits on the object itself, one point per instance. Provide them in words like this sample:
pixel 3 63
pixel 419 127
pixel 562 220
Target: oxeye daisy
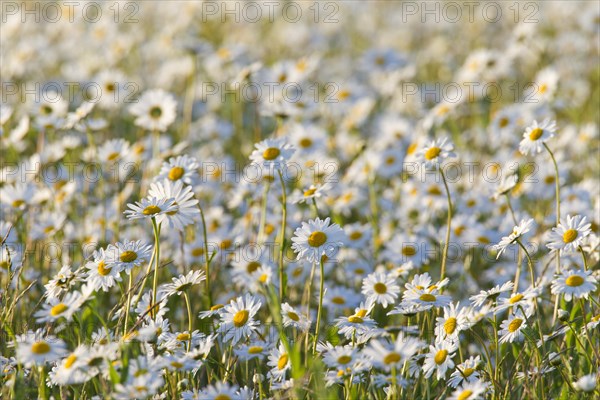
pixel 181 168
pixel 55 309
pixel 569 234
pixel 525 299
pixel 310 193
pixel 380 288
pixel 280 362
pixel 357 235
pixel 155 110
pixel 586 383
pixel 490 296
pixel 451 324
pixel 33 348
pixel 470 391
pixel 182 283
pixel 316 239
pixel 386 355
pixel 62 282
pixel 574 284
pixel 518 231
pixel 101 273
pixel 436 152
pixel 439 359
pixel 113 151
pixel 185 210
pixel 237 318
pixel 340 357
pixel 151 207
pixel 128 254
pixel 291 317
pixel 256 349
pixel 426 297
pixel 511 329
pixel 536 135
pixel 465 372
pixel 272 153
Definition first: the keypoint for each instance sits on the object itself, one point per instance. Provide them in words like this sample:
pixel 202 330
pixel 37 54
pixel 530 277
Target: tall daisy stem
pixel 448 226
pixel 529 262
pixel 585 264
pixel 206 259
pixel 156 262
pixel 557 183
pixel 128 302
pixel 321 287
pixel 282 277
pixel 189 311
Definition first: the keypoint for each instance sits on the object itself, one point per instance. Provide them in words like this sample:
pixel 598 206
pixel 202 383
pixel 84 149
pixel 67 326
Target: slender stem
pixel 321 285
pixel 206 259
pixel 529 263
pixel 518 273
pixel 585 264
pixel 512 211
pixel 156 262
pixel 449 221
pixel 128 306
pixel 587 333
pixel 263 214
pixel 282 277
pixel 557 183
pixel 189 311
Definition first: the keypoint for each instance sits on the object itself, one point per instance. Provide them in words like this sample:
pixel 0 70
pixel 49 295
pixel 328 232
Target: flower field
pixel 300 200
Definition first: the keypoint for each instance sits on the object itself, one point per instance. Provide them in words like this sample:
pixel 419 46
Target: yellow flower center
pixel 543 88
pixel 40 347
pixel 317 239
pixel 255 349
pixel 58 309
pixel 184 336
pixel 570 235
pixel 293 316
pixel 113 156
pixel 102 270
pixel 535 134
pixel 411 148
pixel 355 319
pixel 310 192
pixel 574 281
pixel 391 358
pixel 409 251
pixel 305 143
pixel 252 266
pixel 283 360
pixel 468 372
pixel 176 364
pixel 515 324
pixel 503 122
pixel 128 256
pixel 18 203
pixel 450 325
pixel 465 394
pixel 356 235
pixel 390 160
pixel 225 244
pixel 216 307
pixel 222 397
pixel 176 173
pixel 361 313
pixel 338 300
pixel 240 318
pixel 271 153
pixel 516 298
pixel 155 112
pixel 344 359
pixel 380 288
pixel 440 356
pixel 427 297
pixel 70 361
pixel 198 252
pixel 432 153
pixel 151 210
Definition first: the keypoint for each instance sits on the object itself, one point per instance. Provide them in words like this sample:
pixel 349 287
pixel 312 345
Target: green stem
pixel 206 259
pixel 189 311
pixel 585 264
pixel 282 277
pixel 321 286
pixel 128 302
pixel 448 224
pixel 156 263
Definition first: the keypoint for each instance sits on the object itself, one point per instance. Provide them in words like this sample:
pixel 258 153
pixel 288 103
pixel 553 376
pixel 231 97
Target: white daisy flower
pixel 436 152
pixel 465 372
pixel 518 231
pixel 569 234
pixel 574 284
pixel 586 383
pixel 237 318
pixel 536 135
pixel 280 363
pixel 155 110
pixel 183 168
pixel 128 254
pixel 55 309
pixel 182 283
pixel 33 348
pixel 151 207
pixel 470 391
pixel 451 324
pixel 185 210
pixel 316 239
pixel 272 153
pixel 291 317
pixel 511 329
pixel 101 273
pixel 256 349
pixel 380 288
pixel 439 359
pixel 387 355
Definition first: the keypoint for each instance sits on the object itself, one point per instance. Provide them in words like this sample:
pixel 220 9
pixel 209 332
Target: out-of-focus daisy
pixel 155 110
pixel 291 317
pixel 316 239
pixel 237 318
pixel 465 372
pixel 185 209
pixel 470 391
pixel 380 288
pixel 256 349
pixel 183 168
pixel 113 151
pixel 310 193
pixel 436 152
pixel 439 359
pixel 272 153
pixel 357 235
pixel 387 355
pixel 491 295
pixel 518 231
pixel 569 234
pixel 56 309
pixel 129 254
pixel 62 282
pixel 535 135
pixel 511 329
pixel 574 284
pixel 35 349
pixel 182 283
pixel 151 207
pixel 586 383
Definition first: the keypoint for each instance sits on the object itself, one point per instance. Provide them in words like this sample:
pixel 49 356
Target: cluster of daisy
pixel 188 240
